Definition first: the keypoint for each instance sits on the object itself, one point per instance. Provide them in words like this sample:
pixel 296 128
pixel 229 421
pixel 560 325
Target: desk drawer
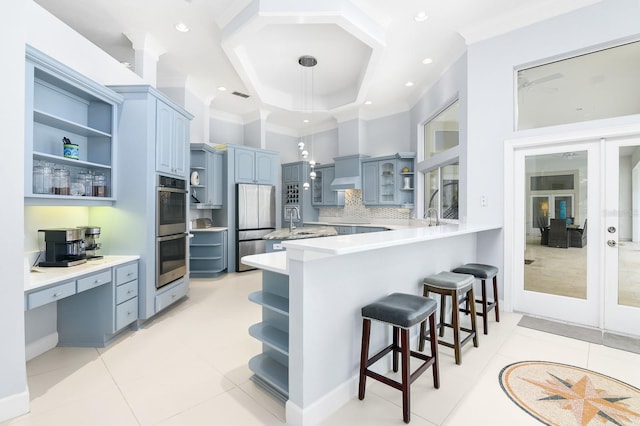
pixel 94 280
pixel 126 313
pixel 126 273
pixel 126 291
pixel 51 294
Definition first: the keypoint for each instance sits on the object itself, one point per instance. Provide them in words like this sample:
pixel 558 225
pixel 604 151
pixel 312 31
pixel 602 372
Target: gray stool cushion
pixel 450 281
pixel 400 309
pixel 478 270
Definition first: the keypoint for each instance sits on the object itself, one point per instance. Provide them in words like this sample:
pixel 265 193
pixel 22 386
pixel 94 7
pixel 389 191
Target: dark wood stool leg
pixel 495 297
pixel 485 320
pixel 434 350
pixel 396 332
pixel 473 318
pixel 406 380
pixel 364 354
pixel 421 339
pixel 455 319
pixel 443 303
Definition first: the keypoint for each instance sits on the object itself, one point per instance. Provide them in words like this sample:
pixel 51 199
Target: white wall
pixel 14 394
pixel 387 135
pixel 223 131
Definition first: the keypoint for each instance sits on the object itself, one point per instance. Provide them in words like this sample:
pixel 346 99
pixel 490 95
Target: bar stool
pixel 402 311
pixel 453 285
pixel 482 272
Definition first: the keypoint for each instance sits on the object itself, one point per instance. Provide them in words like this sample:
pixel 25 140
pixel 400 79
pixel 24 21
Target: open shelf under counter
pixel 272 336
pixel 271 301
pixel 272 374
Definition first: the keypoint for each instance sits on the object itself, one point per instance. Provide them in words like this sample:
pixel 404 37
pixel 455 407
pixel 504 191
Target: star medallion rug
pixel 564 395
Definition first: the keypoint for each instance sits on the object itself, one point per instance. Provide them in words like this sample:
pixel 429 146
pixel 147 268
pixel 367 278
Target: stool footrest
pixel 428 362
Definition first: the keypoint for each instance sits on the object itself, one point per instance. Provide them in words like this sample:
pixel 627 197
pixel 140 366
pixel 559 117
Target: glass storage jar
pixel 61 181
pixel 99 185
pixel 42 179
pixel 85 178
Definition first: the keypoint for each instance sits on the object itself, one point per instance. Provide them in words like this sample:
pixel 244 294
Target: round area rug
pixel 564 395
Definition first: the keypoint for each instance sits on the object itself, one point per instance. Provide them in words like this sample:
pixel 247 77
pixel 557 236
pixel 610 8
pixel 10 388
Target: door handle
pixel 611 243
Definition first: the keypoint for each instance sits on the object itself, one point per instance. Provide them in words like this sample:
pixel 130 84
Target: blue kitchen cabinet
pixel 61 103
pixel 321 193
pixel 255 166
pixel 389 181
pixel 207 253
pixel 172 139
pixel 103 304
pixel 294 196
pixel 143 136
pixel 209 164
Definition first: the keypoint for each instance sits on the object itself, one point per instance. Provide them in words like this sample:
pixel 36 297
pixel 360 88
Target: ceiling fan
pixel 526 84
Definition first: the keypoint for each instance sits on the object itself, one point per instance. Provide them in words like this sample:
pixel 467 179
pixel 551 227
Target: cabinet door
pixel 244 166
pixel 291 173
pixel 387 182
pixel 317 191
pixel 265 167
pixel 180 144
pixel 217 183
pixel 164 132
pixel 370 182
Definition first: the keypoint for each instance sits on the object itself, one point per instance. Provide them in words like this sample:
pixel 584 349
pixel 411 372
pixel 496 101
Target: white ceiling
pixel 366 49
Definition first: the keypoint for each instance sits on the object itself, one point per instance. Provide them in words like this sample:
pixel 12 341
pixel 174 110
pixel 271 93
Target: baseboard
pixel 320 410
pixel 14 405
pixel 40 346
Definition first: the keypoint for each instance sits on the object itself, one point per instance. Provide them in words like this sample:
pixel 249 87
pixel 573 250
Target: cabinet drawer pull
pixel 129 291
pixel 129 274
pixel 97 281
pixel 57 294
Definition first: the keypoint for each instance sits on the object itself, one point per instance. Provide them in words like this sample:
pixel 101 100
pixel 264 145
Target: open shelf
pixel 271 371
pixel 66 125
pixel 272 336
pixel 271 301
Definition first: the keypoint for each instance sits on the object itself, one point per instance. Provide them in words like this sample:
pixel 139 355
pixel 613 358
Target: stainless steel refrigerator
pixel 255 217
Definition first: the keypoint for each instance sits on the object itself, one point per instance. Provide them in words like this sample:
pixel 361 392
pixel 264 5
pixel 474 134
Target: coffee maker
pixel 63 247
pixel 91 246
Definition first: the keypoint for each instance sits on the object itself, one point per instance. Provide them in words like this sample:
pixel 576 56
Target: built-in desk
pixel 89 303
pixel 331 278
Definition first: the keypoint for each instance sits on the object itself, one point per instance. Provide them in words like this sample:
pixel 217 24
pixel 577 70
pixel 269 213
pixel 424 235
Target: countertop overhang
pixel 345 244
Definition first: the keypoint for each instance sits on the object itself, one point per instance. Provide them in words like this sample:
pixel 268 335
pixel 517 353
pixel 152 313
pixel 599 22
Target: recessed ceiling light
pixel 126 64
pixel 305 120
pixel 182 27
pixel 222 89
pixel 421 16
pixel 368 102
pixel 427 61
pixel 409 83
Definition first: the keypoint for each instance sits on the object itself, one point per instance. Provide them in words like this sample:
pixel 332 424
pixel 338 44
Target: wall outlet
pixel 483 201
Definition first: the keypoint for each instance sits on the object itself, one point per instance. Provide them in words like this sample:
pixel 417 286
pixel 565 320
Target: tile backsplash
pixel 354 208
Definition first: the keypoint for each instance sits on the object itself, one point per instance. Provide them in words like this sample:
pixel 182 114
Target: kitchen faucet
pixel 427 215
pixel 291 210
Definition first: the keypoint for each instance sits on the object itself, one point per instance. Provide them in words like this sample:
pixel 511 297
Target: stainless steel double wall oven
pixel 171 230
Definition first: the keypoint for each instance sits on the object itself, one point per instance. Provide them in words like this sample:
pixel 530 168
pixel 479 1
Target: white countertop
pixel 345 244
pixel 43 277
pixel 274 262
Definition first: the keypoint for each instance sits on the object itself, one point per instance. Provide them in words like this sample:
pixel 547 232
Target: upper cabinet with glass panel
pixel 598 85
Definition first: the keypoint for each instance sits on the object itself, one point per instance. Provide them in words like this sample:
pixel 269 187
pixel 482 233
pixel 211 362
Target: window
pixel 441 133
pixel 596 85
pixel 441 191
pixel 440 164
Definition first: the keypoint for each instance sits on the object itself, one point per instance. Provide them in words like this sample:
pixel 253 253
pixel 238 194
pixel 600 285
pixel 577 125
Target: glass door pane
pixel 622 250
pixel 557 192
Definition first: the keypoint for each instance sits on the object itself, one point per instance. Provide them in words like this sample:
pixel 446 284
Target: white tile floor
pixel 189 367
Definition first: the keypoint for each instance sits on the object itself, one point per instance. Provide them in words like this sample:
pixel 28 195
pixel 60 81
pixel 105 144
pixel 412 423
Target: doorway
pixel 577 263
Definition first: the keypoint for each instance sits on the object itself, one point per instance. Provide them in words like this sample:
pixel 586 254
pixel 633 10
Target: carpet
pixel 565 395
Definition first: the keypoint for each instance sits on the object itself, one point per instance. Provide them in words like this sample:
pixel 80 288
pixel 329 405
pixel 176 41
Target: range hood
pixel 347 172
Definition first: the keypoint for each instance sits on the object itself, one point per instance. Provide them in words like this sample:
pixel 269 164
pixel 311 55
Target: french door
pixel 587 271
pixel 556 191
pixel 622 235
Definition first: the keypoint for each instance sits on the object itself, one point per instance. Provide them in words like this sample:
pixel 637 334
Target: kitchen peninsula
pixel 329 280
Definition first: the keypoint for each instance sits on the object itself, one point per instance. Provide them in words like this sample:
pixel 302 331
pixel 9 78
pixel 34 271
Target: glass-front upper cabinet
pixel 316 188
pixel 69 136
pixel 387 182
